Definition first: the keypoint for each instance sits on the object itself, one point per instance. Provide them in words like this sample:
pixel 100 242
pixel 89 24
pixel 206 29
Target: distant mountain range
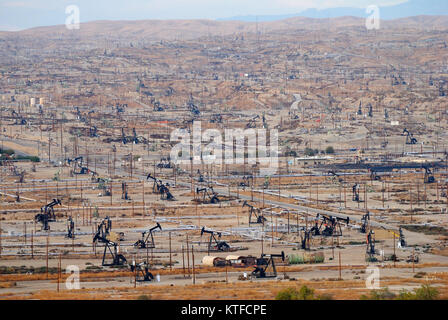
pixel 407 9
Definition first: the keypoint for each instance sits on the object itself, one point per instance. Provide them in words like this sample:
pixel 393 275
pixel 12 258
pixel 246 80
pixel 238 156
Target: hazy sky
pixel 20 14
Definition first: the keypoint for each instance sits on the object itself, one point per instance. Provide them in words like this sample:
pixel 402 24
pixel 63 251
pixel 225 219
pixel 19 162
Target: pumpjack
pixel 165 193
pixel 360 109
pixel 429 178
pixel 252 123
pixel 246 181
pixel 409 137
pixel 256 212
pixel 117 259
pixel 124 191
pixel 78 168
pixel 374 176
pixel 201 176
pixel 159 187
pixel 209 193
pixel 336 176
pixel 124 139
pixel 355 190
pixel 219 245
pixel 370 110
pixel 93 132
pixel 332 226
pixel 165 163
pixel 263 264
pixel 46 214
pixel 305 242
pixel 105 226
pixel 370 249
pixel 192 107
pixel 142 272
pixel 365 222
pixel 70 228
pixel 216 118
pixel 146 242
pixel 401 240
pixel 157 183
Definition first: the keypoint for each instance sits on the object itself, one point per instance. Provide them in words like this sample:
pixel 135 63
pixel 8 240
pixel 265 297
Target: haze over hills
pixel 190 29
pixel 403 10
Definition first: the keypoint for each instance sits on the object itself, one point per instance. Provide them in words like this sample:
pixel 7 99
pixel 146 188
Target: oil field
pixel 95 204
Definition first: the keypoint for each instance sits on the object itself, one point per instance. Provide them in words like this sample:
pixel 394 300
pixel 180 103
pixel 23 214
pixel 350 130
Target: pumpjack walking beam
pixel 148 241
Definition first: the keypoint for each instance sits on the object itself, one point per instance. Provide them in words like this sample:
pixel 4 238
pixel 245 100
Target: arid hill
pixel 190 29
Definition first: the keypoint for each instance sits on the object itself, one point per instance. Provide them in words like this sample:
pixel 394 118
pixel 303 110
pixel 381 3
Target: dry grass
pixel 266 290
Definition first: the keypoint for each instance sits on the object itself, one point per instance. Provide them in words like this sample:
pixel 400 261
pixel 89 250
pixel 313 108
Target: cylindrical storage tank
pixel 41 101
pixel 33 101
pixel 208 261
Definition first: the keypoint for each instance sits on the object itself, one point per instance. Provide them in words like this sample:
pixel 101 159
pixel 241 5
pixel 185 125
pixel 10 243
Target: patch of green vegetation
pixel 382 294
pixel 304 293
pixel 425 292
